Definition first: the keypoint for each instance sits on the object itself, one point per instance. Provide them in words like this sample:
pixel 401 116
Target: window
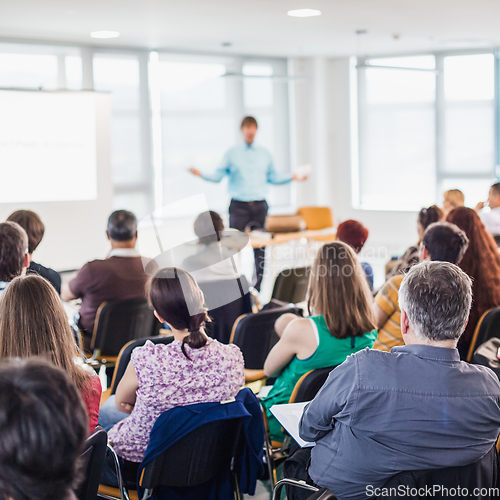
pixel 202 102
pixel 397 135
pixel 427 122
pixel 120 75
pixel 185 113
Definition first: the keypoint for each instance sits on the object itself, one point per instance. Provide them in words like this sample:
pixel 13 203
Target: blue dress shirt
pixel 416 407
pixel 249 169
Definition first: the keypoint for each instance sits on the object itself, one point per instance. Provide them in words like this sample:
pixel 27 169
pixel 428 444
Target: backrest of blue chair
pixel 255 335
pixel 197 458
pixel 226 300
pixel 490 327
pixel 291 285
pixel 126 353
pixel 481 474
pixel 312 383
pixel 91 463
pixel 120 322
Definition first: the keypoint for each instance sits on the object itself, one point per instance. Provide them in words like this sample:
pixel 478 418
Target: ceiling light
pixel 105 34
pixel 304 13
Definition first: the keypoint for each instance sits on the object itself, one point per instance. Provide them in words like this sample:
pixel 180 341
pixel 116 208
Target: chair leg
pixel 147 494
pixel 123 491
pixel 300 484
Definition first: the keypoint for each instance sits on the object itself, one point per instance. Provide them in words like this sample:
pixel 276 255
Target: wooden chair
pixel 316 217
pixel 291 285
pixel 123 359
pixel 487 327
pixel 117 323
pixel 305 389
pixel 254 334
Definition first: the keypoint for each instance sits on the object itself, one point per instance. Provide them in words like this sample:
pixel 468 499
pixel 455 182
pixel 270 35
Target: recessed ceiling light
pixel 304 13
pixel 105 34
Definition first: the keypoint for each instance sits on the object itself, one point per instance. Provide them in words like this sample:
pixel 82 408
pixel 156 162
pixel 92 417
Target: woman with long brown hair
pixel 33 323
pixel 482 263
pixel 341 323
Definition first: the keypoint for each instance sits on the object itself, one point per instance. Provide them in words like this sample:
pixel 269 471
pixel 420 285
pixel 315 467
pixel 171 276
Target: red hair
pixel 353 233
pixel 482 263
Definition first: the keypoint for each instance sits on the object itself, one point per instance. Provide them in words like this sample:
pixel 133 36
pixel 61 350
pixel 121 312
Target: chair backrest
pixel 196 458
pixel 125 353
pixel 119 322
pixel 254 334
pixel 92 461
pixel 316 217
pixel 309 384
pixel 226 300
pixel 482 474
pixel 487 327
pixel 291 285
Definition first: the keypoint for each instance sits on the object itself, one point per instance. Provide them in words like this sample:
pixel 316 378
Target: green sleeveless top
pixel 331 351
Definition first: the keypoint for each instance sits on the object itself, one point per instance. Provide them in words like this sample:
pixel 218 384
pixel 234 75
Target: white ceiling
pixel 261 27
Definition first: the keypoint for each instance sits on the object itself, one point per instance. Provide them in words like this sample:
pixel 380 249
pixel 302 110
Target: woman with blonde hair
pixel 341 323
pixel 33 323
pixel 453 198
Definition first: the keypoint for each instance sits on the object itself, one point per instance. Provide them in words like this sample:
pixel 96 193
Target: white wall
pixel 322 110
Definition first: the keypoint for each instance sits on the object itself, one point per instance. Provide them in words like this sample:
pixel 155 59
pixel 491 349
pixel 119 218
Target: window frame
pixel 441 175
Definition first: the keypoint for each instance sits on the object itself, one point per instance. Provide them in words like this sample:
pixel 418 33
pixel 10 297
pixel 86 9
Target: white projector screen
pixel 55 160
pixel 51 138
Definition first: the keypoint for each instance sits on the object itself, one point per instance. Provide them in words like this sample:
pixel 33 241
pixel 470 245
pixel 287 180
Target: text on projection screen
pixel 47 146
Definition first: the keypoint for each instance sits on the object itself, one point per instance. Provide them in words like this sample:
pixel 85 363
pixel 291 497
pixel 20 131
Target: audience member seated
pixel 453 198
pixel 341 324
pixel 119 277
pixel 33 323
pixel 411 257
pixel 14 256
pixel 442 241
pixel 192 369
pixel 43 428
pixel 491 218
pixel 417 407
pixel 482 263
pixel 35 229
pixel 355 234
pixel 213 262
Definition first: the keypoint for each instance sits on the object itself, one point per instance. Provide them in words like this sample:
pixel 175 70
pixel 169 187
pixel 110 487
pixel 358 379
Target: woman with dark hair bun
pixel 482 263
pixel 426 217
pixel 192 369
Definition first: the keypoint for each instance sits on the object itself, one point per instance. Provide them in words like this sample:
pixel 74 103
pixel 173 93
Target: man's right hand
pixel 195 172
pixel 479 206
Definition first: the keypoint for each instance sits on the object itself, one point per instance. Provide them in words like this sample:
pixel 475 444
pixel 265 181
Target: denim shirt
pixel 249 168
pixel 416 407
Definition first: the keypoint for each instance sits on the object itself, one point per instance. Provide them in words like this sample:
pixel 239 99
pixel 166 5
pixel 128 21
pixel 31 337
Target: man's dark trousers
pixel 250 214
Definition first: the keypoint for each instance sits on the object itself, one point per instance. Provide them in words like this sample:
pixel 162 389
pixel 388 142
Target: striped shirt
pixel 389 335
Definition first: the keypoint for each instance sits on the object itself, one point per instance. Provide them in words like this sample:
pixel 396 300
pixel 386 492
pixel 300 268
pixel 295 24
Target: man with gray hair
pixel 416 407
pixel 120 276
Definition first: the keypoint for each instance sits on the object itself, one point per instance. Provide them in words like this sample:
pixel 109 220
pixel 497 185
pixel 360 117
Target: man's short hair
pixel 249 120
pixel 13 248
pixel 496 188
pixel 43 427
pixel 437 297
pixel 445 242
pixel 208 226
pixel 122 225
pixel 32 224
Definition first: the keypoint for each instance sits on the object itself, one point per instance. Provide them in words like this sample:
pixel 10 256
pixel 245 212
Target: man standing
pixel 249 168
pixel 491 219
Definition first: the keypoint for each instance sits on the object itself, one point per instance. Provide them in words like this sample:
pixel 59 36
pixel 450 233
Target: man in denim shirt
pixel 416 407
